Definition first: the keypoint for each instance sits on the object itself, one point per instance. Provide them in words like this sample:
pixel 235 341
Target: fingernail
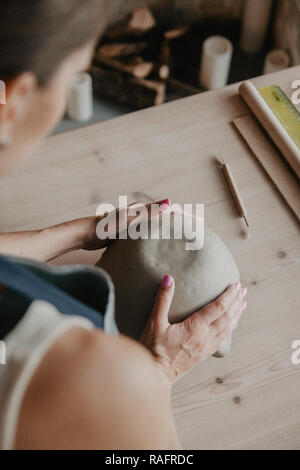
pixel 238 285
pixel 166 202
pixel 244 306
pixel 245 290
pixel 167 281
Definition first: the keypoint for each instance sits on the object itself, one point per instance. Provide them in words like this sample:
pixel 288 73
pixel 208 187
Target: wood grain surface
pixel 251 399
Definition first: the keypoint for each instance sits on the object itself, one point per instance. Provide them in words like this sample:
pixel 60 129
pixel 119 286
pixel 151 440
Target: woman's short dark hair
pixel 36 35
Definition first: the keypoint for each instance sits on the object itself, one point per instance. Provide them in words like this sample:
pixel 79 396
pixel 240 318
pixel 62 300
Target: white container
pixel 276 60
pixel 255 23
pixel 80 98
pixel 216 60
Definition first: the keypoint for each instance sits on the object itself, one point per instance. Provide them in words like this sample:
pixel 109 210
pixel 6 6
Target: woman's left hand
pixel 51 242
pixel 178 347
pixel 91 240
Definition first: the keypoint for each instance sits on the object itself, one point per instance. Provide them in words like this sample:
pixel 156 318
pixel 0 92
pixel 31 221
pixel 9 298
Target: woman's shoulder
pixel 87 381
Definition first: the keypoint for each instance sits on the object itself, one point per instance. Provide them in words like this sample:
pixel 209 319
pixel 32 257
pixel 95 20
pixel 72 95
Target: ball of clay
pixel 137 268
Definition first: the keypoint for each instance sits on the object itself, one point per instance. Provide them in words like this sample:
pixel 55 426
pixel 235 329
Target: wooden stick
pixel 121 49
pixel 176 33
pixel 137 68
pixel 235 192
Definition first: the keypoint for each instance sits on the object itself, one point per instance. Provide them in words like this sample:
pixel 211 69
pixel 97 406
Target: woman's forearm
pixel 47 244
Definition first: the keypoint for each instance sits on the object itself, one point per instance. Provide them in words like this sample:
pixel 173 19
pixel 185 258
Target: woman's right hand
pixel 179 347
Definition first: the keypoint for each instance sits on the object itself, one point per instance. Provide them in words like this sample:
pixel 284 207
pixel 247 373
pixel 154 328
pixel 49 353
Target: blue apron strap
pixel 31 286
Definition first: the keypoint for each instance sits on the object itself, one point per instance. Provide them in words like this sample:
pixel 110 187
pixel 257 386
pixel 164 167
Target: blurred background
pixel 157 51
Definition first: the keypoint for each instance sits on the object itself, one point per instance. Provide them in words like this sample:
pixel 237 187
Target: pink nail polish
pixel 166 202
pixel 244 306
pixel 245 290
pixel 238 285
pixel 167 281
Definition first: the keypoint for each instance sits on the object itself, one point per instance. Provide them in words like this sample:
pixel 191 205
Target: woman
pixel 67 384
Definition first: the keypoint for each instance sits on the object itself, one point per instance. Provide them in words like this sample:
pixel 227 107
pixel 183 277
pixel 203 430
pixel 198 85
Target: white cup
pixel 216 60
pixel 80 98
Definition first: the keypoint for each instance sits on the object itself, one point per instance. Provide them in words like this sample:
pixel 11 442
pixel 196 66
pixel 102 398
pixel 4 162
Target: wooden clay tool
pixel 235 193
pixel 279 117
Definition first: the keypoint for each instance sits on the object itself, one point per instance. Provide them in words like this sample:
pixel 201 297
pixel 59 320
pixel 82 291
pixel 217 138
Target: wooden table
pixel 251 399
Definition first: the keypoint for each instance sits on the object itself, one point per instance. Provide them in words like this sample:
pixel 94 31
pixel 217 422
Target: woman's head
pixel 42 44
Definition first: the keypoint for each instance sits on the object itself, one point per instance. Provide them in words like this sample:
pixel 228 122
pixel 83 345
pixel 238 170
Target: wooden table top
pixel 251 399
